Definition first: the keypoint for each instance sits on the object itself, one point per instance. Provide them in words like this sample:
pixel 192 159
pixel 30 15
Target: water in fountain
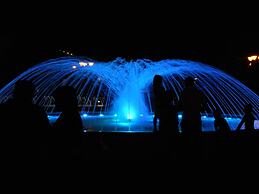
pixel 123 88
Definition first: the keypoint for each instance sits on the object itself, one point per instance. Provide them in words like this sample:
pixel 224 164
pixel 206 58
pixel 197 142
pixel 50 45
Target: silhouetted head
pixel 189 81
pixel 157 81
pixel 65 98
pixel 248 108
pixel 24 91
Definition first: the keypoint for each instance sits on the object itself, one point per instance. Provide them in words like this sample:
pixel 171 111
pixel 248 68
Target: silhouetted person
pixel 248 119
pixel 163 105
pixel 68 127
pixel 222 137
pixel 159 96
pixel 25 124
pixel 247 142
pixel 220 123
pixel 166 112
pixel 192 102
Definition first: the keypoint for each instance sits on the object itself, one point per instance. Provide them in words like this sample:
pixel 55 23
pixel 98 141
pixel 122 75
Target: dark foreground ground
pixel 209 146
pixel 150 146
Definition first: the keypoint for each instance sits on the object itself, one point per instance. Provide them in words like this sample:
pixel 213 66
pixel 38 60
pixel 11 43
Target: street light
pixel 252 60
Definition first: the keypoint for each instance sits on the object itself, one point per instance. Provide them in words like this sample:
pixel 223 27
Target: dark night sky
pixel 140 33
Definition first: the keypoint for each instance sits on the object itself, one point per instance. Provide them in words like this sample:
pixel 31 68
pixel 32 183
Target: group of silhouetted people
pixel 27 133
pixel 192 102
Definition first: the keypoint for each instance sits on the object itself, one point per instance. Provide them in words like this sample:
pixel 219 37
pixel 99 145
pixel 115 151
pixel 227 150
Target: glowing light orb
pixel 90 63
pixel 253 58
pixel 82 64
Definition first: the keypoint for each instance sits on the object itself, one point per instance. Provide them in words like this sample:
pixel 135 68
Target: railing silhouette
pixel 84 104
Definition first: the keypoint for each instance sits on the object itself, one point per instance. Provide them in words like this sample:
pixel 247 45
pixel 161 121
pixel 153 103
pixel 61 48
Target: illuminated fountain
pixel 118 94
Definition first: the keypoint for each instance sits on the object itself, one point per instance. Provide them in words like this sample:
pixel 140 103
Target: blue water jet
pixel 124 88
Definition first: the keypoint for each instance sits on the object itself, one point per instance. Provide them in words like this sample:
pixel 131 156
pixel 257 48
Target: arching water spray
pixel 124 88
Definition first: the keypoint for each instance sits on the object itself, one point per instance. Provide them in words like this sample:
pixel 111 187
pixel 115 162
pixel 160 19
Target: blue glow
pixel 129 117
pixel 124 88
pixel 106 123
